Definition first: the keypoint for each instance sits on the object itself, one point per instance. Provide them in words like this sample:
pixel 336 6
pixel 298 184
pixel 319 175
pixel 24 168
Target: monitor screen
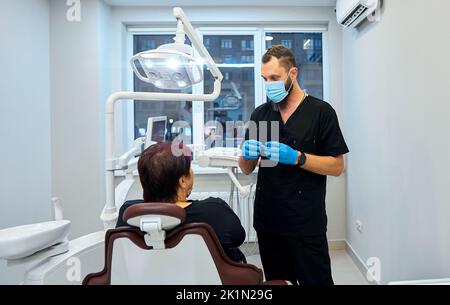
pixel 159 131
pixel 156 131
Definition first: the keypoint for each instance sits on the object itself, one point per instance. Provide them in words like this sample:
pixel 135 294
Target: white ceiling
pixel 221 2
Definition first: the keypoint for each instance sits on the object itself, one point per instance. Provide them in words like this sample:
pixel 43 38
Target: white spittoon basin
pixel 21 242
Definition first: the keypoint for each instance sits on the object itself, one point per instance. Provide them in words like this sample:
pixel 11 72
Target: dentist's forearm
pixel 327 166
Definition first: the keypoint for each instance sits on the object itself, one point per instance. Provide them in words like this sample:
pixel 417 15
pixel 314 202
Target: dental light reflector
pixel 169 67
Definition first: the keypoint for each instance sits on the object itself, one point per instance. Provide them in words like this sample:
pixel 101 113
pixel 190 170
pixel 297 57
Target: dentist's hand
pixel 251 150
pixel 280 152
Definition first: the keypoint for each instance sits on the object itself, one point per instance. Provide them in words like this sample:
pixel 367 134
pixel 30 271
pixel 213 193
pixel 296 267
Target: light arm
pixel 196 41
pixel 109 213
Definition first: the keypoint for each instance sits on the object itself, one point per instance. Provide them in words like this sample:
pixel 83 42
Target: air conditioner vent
pixel 354 15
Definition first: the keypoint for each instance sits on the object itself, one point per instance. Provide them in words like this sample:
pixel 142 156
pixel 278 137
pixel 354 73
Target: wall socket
pixel 359 226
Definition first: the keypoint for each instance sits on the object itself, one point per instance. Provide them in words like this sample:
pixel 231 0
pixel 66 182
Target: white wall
pixel 146 16
pixel 80 84
pixel 396 107
pixel 105 71
pixel 25 181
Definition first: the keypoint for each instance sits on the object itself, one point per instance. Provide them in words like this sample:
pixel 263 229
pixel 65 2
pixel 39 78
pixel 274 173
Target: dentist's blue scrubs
pixel 289 214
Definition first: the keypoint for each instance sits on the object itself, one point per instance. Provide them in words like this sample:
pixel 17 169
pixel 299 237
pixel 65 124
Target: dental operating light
pixel 167 67
pixel 170 66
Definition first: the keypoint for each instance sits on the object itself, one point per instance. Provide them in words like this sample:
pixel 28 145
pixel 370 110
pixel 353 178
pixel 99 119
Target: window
pixel 207 43
pixel 227 44
pixel 238 57
pixel 143 110
pixel 287 43
pixel 247 59
pixel 224 119
pixel 227 58
pixel 309 55
pixel 247 45
pixel 308 44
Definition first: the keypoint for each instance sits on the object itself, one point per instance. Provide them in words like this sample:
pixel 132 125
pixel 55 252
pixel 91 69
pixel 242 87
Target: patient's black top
pixel 215 212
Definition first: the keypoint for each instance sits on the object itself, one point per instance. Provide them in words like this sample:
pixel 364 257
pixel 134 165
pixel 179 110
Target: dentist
pixel 290 217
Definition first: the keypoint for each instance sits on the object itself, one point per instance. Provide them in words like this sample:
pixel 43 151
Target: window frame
pixel 210 31
pixel 325 51
pixel 259 33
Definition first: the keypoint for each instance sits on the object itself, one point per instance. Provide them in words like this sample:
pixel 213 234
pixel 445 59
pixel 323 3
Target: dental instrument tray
pixel 219 157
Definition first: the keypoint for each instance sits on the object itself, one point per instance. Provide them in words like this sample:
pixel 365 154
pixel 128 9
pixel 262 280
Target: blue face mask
pixel 276 91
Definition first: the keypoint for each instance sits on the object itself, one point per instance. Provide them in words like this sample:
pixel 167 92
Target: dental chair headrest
pixel 171 214
pixel 155 219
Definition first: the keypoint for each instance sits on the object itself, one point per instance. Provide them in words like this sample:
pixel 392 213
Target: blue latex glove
pixel 251 150
pixel 280 152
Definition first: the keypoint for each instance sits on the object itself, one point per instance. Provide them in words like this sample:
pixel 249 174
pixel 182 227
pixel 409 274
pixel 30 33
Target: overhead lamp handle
pixel 180 34
pixel 197 43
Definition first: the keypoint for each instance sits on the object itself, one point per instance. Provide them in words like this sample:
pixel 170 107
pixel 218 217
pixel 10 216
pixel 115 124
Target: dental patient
pixel 167 178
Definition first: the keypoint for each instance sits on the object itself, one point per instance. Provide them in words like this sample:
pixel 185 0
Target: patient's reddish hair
pixel 160 168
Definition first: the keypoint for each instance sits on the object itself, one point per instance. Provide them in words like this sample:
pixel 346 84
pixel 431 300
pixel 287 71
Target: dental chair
pixel 158 249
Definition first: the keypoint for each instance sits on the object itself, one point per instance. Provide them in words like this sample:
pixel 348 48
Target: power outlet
pixel 359 226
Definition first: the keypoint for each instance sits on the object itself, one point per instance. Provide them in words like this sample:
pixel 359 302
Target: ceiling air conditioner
pixel 350 13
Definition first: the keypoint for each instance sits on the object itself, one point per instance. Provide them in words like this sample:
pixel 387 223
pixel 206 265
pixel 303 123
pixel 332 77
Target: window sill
pixel 197 171
pixel 213 171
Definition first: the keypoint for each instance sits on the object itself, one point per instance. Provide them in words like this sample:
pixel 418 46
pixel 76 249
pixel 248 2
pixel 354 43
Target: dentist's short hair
pixel 285 56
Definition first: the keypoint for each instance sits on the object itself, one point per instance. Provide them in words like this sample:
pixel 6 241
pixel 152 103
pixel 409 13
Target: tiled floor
pixel 344 269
